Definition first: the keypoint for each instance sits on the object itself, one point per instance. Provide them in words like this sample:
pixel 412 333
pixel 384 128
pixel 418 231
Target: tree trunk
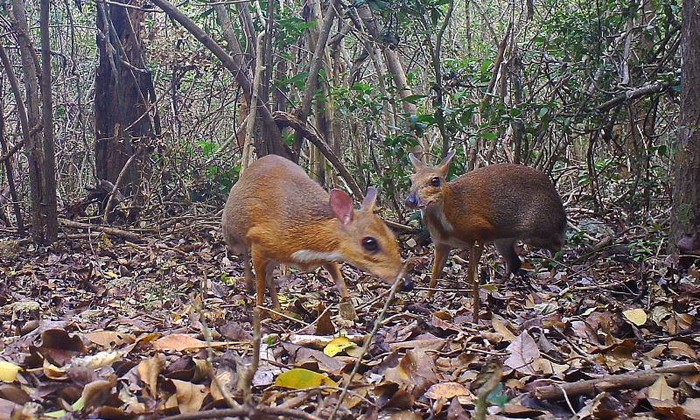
pixel 685 217
pixel 7 158
pixel 48 157
pixel 125 119
pixel 42 165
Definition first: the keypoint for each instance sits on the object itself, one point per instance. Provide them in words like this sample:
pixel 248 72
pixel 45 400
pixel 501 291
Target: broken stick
pixel 633 380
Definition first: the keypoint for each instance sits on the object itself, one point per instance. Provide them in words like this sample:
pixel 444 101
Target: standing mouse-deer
pixel 277 215
pixel 500 203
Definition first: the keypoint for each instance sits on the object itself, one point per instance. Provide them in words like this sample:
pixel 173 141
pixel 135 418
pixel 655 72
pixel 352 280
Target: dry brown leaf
pixel 415 371
pixel 190 397
pixel 226 379
pixel 179 342
pixel 98 360
pixel 680 348
pixel 499 325
pixel 692 408
pixel 456 411
pixel 184 342
pixel 523 354
pixel 636 316
pixel 668 408
pixel 96 393
pixel 54 372
pixel 14 393
pixel 405 415
pixel 302 356
pixel 148 371
pixel 447 390
pixel 324 325
pixel 110 339
pixel 660 390
pixel 60 347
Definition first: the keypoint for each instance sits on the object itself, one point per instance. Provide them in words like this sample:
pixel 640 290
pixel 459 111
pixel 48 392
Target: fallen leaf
pixel 109 339
pixel 523 353
pixel 54 372
pixel 692 407
pixel 14 393
pixel 337 346
pixel 324 325
pixel 149 370
pixel 60 347
pixel 183 342
pixel 94 394
pixel 190 397
pixel 415 371
pixel 499 325
pixel 446 390
pixel 98 360
pixel 636 316
pixel 660 390
pixel 303 379
pixel 8 371
pixel 679 348
pixel 226 379
pixel 179 342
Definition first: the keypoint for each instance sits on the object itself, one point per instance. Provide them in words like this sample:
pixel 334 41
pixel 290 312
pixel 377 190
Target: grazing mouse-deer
pixel 500 203
pixel 278 215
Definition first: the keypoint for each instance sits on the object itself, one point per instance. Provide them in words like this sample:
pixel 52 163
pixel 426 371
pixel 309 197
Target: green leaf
pixel 413 99
pixel 338 345
pixel 303 379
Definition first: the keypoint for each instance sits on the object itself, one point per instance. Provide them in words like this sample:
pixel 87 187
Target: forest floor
pixel 96 326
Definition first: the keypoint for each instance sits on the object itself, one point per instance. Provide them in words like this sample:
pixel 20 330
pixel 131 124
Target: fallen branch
pixel 129 236
pixel 634 380
pixel 247 412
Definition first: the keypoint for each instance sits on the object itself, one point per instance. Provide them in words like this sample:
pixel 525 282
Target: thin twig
pixel 210 351
pixel 370 338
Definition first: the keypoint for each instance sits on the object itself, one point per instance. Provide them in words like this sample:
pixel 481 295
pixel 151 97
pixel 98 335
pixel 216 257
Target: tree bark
pixel 24 125
pixel 125 123
pixel 685 215
pixel 41 166
pixel 393 61
pixel 48 165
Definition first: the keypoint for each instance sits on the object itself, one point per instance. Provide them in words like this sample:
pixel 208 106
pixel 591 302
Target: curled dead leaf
pixel 148 371
pixel 190 397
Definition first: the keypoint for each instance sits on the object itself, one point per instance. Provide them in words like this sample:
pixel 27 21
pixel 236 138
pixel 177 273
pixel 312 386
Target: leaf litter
pixel 101 328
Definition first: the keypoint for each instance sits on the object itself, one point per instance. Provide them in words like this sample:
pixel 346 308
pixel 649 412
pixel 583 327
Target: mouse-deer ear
pixel 341 204
pixel 444 166
pixel 370 199
pixel 417 163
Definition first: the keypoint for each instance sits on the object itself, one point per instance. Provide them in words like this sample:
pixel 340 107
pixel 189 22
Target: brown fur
pixel 275 210
pixel 497 203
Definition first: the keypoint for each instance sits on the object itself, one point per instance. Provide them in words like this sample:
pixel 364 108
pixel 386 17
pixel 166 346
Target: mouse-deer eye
pixel 370 244
pixel 435 181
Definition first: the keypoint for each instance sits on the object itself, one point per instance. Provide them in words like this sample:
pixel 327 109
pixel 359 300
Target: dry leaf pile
pixel 101 328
